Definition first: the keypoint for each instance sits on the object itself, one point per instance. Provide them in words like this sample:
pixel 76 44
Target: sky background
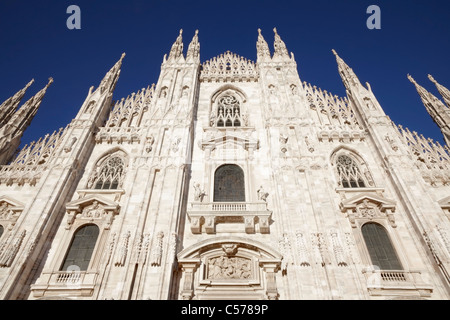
pixel 35 43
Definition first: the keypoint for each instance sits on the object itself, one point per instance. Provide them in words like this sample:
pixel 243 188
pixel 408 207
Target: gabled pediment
pixel 362 198
pixel 229 138
pixel 445 203
pixel 16 205
pixel 79 204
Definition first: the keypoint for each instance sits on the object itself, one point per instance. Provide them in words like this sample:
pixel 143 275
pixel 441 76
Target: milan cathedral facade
pixel 227 179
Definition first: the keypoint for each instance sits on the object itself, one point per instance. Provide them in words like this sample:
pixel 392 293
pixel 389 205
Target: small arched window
pixel 229 184
pixel 81 248
pixel 350 175
pixel 109 175
pixel 381 251
pixel 1 230
pixel 228 112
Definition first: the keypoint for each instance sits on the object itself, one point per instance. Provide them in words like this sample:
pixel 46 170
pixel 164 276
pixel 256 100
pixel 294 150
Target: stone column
pixel 270 269
pixel 188 267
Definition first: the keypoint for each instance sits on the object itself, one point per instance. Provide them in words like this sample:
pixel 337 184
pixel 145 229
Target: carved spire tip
pixel 431 78
pixel 334 52
pixel 411 79
pixel 275 30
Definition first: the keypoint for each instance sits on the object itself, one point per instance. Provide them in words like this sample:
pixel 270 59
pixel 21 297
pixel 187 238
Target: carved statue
pixel 199 193
pixel 262 195
pixel 149 144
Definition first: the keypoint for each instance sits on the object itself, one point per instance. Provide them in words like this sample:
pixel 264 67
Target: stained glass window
pixel 228 112
pixel 111 174
pixel 349 173
pixel 381 250
pixel 81 248
pixel 229 184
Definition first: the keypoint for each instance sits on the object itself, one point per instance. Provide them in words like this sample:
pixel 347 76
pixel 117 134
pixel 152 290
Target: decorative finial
pixel 181 32
pixel 411 79
pixel 431 78
pixel 50 81
pixel 259 30
pixel 275 30
pixel 123 55
pixel 334 52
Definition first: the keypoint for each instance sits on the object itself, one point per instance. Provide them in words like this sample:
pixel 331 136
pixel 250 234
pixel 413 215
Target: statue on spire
pixel 262 48
pixel 177 48
pixel 279 46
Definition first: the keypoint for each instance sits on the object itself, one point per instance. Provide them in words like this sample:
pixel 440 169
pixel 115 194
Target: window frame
pixel 72 239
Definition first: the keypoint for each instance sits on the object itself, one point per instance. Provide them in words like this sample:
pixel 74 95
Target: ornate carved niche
pixel 90 209
pixel 10 211
pixel 226 268
pixel 368 206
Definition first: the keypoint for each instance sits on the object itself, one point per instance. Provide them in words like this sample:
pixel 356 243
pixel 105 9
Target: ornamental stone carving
pixel 225 268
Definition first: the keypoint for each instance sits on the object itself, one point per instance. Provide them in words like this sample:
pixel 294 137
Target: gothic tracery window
pixel 229 184
pixel 350 175
pixel 81 248
pixel 109 175
pixel 382 252
pixel 228 112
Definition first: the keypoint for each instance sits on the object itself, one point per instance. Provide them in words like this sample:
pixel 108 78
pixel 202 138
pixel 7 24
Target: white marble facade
pixel 228 179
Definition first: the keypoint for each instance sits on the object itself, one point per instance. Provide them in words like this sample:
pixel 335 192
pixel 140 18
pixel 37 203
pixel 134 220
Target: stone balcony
pixel 397 283
pixel 216 217
pixel 65 283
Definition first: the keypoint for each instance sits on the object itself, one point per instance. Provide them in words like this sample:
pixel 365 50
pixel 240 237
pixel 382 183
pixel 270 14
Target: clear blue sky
pixel 35 43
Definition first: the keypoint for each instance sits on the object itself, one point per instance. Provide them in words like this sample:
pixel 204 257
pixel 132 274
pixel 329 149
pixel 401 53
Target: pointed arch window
pixel 350 175
pixel 1 230
pixel 382 252
pixel 228 112
pixel 109 175
pixel 229 184
pixel 81 248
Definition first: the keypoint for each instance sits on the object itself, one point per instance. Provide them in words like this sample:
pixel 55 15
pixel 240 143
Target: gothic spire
pixel 279 46
pixel 110 80
pixel 177 48
pixel 262 48
pixel 8 107
pixel 347 74
pixel 445 93
pixel 194 48
pixel 11 132
pixel 436 108
pixel 23 117
pixel 428 99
